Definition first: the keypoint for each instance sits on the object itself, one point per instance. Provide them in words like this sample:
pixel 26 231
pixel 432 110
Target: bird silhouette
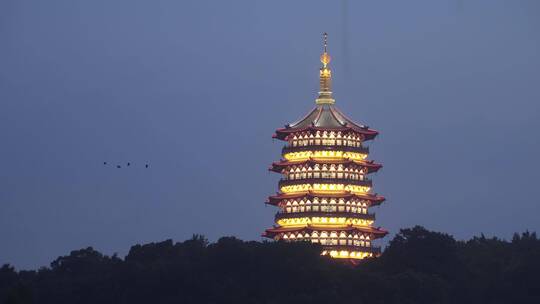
pixel 104 163
pixel 129 164
pixel 118 166
pixel 146 166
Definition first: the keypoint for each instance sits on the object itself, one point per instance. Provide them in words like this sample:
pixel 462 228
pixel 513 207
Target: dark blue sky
pixel 196 88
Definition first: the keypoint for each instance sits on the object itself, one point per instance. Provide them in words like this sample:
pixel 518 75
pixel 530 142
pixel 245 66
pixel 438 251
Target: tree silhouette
pixel 419 266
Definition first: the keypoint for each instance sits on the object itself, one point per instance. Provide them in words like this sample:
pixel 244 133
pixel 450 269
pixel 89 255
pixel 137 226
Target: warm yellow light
pixel 294 222
pixel 325 59
pixel 344 254
pixel 324 222
pixel 360 222
pixel 325 188
pixel 304 155
pixel 326 73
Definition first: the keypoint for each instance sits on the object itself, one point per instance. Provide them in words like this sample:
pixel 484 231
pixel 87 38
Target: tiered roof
pixel 325 117
pixel 373 198
pixel 375 232
pixel 370 165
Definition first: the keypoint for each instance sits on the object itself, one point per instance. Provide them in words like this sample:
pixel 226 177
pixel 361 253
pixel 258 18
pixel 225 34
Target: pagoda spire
pixel 325 76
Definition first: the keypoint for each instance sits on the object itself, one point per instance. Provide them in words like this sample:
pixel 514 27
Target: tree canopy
pixel 418 266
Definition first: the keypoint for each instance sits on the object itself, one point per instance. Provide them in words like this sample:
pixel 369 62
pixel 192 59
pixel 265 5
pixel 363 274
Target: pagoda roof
pixel 376 232
pixel 325 117
pixel 374 198
pixel 372 166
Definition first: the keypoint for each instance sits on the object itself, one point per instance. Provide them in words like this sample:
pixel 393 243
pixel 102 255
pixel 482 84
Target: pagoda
pixel 324 195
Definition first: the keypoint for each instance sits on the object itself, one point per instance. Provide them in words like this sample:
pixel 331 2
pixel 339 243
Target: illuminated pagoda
pixel 324 195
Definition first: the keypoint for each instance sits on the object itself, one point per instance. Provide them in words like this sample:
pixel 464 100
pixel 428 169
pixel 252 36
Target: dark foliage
pixel 419 266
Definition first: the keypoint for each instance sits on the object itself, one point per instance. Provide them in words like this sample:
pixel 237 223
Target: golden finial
pixel 325 81
pixel 325 58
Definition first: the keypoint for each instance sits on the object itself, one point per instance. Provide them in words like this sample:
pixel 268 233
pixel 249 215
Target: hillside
pixel 418 266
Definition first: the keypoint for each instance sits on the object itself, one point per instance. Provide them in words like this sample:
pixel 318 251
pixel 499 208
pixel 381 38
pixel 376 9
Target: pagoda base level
pixel 345 254
pixel 350 252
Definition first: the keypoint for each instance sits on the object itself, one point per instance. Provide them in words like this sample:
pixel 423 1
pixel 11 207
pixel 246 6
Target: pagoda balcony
pixel 364 216
pixel 286 182
pixel 290 149
pixel 373 249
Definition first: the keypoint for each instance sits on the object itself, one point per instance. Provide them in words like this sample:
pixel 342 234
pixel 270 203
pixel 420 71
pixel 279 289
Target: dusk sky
pixel 197 88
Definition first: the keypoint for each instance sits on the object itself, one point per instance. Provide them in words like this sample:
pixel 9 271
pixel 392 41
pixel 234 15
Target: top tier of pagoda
pixel 326 117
